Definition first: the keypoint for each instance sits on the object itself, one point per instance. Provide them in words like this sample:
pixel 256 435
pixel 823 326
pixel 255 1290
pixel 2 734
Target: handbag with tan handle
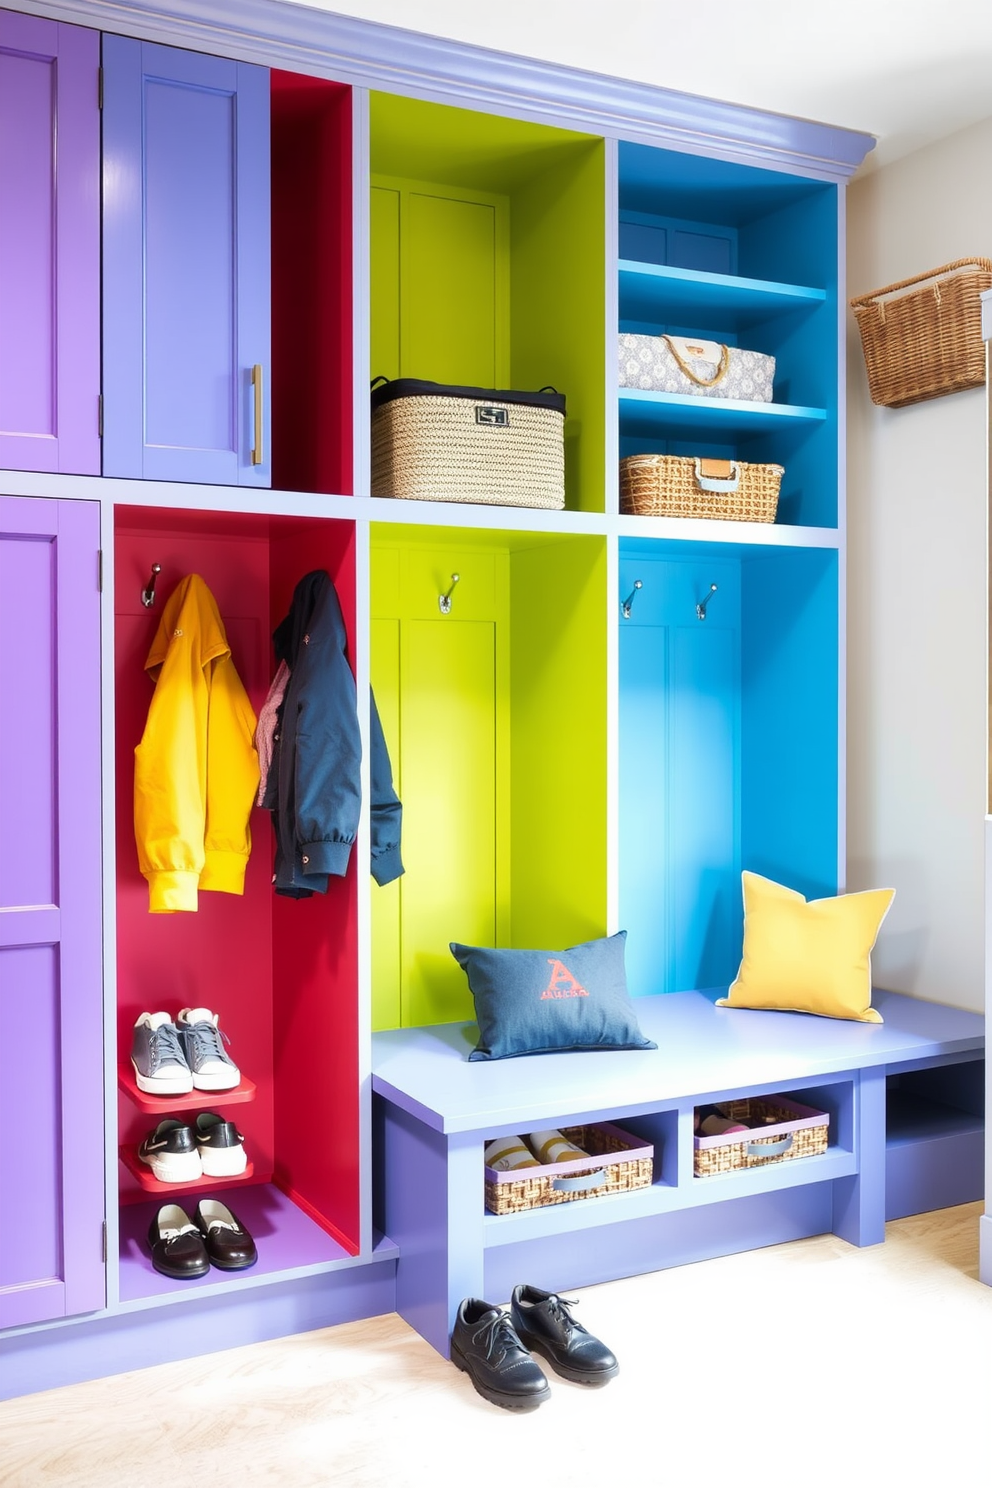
pixel 687 364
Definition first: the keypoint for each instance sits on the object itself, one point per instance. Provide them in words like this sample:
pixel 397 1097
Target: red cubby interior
pixel 312 375
pixel 282 973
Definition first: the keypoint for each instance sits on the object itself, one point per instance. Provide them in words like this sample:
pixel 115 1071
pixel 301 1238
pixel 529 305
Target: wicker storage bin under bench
pixel 795 1131
pixel 681 486
pixel 624 1163
pixel 922 337
pixel 432 442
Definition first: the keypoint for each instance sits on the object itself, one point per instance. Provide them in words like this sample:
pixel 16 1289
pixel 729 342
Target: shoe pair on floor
pixel 494 1348
pixel 184 1248
pixel 175 1058
pixel 179 1153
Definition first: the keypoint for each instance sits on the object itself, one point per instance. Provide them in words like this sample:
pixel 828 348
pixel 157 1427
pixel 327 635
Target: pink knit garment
pixel 265 729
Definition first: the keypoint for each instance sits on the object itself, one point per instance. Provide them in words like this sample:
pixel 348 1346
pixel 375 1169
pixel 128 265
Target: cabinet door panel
pixel 51 1258
pixel 186 264
pixel 679 787
pixel 449 291
pixel 49 246
pixel 448 702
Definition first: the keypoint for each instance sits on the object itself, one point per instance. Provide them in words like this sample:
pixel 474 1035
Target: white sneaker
pixel 201 1039
pixel 160 1066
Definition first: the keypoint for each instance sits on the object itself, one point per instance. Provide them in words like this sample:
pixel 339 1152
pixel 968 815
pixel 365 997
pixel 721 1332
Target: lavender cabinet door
pixel 185 265
pixel 49 246
pixel 51 1016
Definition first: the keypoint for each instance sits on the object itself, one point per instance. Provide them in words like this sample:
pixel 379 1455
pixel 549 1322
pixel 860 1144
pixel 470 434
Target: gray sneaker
pixel 160 1066
pixel 212 1066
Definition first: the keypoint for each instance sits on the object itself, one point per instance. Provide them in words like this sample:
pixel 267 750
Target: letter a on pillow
pixel 808 957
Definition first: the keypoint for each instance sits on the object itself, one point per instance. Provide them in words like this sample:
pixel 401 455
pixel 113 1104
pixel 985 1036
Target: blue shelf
pixel 661 414
pixel 657 293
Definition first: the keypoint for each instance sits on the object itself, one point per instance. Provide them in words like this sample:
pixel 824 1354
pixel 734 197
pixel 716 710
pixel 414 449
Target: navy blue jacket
pixel 314 789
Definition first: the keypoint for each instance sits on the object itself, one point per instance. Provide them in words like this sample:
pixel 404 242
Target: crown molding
pixel 368 54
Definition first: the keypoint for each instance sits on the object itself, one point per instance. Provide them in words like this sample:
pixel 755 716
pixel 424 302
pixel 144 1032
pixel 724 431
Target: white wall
pixel 916 609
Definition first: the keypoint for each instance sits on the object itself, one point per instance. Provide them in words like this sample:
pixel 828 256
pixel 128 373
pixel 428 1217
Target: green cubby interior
pixel 494 715
pixel 488 263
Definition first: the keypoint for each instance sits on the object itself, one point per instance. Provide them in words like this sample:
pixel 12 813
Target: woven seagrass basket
pixel 680 486
pixel 629 1164
pixel 431 442
pixel 795 1131
pixel 922 337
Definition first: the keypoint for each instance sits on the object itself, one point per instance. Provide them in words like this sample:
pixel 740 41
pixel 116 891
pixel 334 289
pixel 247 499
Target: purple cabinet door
pixel 49 246
pixel 186 265
pixel 51 1012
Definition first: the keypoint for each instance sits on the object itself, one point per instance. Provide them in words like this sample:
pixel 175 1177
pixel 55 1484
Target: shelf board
pixel 657 293
pixel 740 537
pixel 196 1100
pixel 911 1118
pixel 150 1184
pixel 286 1238
pixel 661 414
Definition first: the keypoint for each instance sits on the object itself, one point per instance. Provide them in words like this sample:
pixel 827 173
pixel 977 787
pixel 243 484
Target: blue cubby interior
pixel 748 257
pixel 728 747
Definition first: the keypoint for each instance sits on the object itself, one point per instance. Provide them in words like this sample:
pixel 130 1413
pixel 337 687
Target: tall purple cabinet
pixel 185 265
pixel 49 246
pixel 51 1010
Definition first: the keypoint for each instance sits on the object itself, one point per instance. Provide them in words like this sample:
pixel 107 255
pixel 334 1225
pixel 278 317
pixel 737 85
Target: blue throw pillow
pixel 540 1002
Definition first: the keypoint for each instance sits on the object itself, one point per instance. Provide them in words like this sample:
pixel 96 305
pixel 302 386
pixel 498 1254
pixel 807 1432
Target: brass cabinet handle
pixel 256 382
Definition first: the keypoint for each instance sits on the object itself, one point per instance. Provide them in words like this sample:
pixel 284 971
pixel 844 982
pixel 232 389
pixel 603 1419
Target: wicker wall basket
pixel 628 1164
pixel 795 1131
pixel 680 486
pixel 431 442
pixel 922 337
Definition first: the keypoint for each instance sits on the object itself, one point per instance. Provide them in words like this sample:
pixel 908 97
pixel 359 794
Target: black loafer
pixel 544 1323
pixel 176 1244
pixel 228 1243
pixel 485 1346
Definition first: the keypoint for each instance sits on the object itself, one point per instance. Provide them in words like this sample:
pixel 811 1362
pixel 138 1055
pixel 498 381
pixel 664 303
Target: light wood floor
pixel 810 1364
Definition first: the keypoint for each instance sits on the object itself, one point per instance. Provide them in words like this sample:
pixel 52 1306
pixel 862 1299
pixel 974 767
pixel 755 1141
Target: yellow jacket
pixel 195 770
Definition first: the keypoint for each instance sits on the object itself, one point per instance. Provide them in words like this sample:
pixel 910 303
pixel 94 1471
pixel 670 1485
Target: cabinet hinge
pixel 99 416
pixel 103 1241
pixel 99 87
pixel 99 569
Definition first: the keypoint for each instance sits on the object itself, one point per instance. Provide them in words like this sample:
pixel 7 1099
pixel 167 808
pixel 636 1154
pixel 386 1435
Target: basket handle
pixel 959 263
pixel 580 1181
pixel 706 382
pixel 769 1149
pixel 720 485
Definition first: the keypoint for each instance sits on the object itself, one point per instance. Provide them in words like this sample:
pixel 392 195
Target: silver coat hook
pixel 148 595
pixel 701 606
pixel 626 604
pixel 444 600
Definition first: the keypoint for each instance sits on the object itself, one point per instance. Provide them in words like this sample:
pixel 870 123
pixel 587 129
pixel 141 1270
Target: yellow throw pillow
pixel 810 957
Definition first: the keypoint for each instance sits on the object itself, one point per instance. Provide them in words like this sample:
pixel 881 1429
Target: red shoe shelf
pixel 144 1175
pixel 195 1100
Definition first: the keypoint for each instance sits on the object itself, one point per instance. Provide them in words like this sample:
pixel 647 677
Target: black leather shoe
pixel 219 1146
pixel 544 1323
pixel 228 1243
pixel 485 1345
pixel 176 1244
